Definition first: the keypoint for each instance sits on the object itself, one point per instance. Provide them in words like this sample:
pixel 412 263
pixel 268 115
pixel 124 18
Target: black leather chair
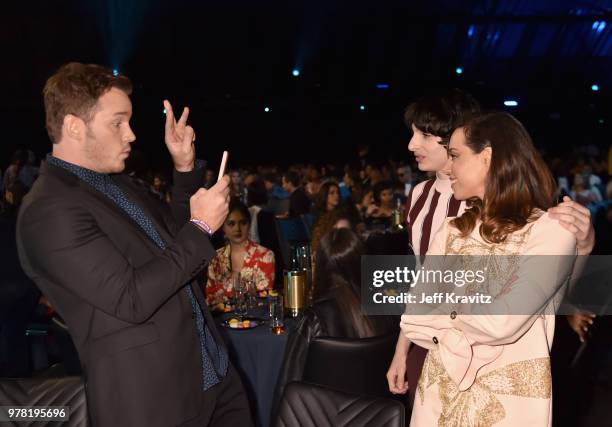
pixel 66 391
pixel 351 365
pixel 309 405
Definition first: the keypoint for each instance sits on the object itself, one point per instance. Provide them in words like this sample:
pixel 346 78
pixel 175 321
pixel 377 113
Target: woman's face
pixel 368 199
pixel 333 198
pixel 430 155
pixel 386 197
pixel 468 169
pixel 236 227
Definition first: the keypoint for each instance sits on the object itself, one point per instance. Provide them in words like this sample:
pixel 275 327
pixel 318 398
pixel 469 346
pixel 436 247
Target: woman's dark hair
pixel 518 181
pixel 379 188
pixel 338 274
pixel 440 115
pixel 320 202
pixel 236 205
pixel 256 193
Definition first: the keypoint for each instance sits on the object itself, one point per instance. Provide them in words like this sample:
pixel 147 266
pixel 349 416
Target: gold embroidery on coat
pixel 478 406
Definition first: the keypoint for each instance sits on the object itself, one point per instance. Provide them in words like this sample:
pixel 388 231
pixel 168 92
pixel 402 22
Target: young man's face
pixel 431 156
pixel 108 138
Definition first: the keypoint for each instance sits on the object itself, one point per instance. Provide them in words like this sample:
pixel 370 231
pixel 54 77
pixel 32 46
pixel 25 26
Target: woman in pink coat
pixel 494 368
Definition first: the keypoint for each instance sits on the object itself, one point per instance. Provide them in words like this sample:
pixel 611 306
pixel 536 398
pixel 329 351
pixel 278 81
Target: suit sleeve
pixel 62 243
pixel 185 185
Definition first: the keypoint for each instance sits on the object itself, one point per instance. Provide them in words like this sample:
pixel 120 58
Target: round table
pixel 258 355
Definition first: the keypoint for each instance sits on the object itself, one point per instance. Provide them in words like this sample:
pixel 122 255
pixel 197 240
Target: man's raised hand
pixel 179 137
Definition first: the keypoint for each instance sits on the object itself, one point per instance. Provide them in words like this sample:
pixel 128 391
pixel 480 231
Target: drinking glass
pixel 239 293
pixel 277 324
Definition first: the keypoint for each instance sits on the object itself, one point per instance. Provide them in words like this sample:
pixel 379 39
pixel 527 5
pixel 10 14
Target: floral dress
pixel 258 266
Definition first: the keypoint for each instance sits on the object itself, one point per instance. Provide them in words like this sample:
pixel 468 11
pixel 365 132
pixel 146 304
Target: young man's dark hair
pixel 441 115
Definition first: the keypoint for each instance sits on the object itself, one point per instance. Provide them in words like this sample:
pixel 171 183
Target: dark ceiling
pixel 230 60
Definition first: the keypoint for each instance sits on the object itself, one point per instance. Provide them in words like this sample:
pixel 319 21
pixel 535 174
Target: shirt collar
pixel 81 172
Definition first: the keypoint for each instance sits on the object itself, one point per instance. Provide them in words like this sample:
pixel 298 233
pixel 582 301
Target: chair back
pixel 65 391
pixel 351 365
pixel 309 405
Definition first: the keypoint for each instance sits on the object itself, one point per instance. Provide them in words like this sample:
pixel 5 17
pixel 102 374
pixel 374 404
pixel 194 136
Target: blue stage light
pixel 601 27
pixel 510 103
pixel 115 72
pixel 459 70
pixel 382 86
pixel 362 107
pixel 471 31
pixel 594 88
pixel 296 72
pixel 267 109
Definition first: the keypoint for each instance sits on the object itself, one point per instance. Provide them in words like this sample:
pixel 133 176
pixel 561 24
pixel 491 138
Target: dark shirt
pixel 299 203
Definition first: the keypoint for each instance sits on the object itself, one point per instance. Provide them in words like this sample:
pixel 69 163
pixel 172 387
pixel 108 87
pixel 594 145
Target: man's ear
pixel 73 127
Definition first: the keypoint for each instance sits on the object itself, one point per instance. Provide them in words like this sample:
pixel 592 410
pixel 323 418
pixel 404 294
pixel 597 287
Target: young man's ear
pixel 73 127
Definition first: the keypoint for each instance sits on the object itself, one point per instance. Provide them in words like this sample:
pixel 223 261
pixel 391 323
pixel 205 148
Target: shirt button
pixel 453 315
pixel 435 340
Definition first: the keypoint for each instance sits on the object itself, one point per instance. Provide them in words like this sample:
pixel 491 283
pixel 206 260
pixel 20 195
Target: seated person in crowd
pixel 351 184
pixel 239 258
pixel 299 202
pixel 363 200
pixel 328 209
pixel 274 190
pixel 257 198
pixel 336 308
pixel 381 211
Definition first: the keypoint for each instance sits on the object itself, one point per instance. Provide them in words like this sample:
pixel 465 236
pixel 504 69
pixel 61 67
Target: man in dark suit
pixel 119 267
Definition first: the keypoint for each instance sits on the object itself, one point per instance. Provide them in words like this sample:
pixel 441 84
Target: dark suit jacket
pixel 121 296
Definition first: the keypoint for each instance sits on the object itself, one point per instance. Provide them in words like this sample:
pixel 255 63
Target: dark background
pixel 228 60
